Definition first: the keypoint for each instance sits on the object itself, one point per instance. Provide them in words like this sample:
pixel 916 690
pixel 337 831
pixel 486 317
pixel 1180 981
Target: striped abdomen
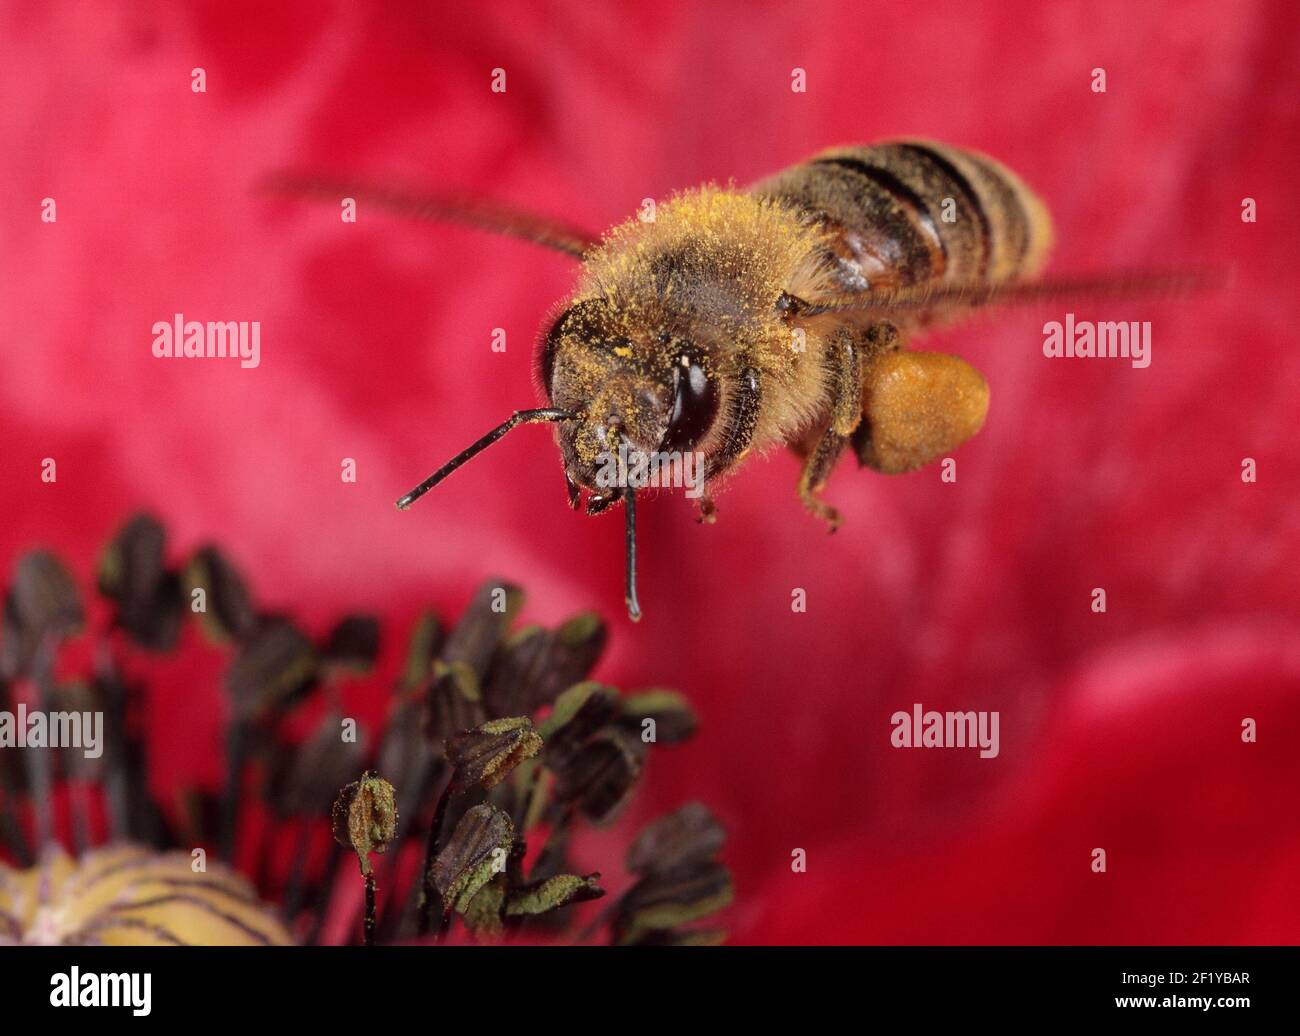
pixel 909 212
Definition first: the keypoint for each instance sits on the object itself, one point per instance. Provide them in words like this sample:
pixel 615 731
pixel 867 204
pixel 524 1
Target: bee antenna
pixel 629 510
pixel 542 414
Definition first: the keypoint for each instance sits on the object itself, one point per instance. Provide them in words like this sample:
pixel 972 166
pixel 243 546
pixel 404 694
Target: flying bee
pixel 735 320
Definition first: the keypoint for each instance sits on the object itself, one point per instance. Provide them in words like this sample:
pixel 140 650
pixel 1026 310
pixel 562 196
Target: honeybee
pixel 737 320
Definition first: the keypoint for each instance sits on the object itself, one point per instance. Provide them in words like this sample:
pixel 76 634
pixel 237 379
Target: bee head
pixel 640 391
pixel 627 395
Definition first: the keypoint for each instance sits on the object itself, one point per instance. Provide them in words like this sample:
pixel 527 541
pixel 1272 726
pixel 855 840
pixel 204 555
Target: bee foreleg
pixel 817 468
pixel 741 420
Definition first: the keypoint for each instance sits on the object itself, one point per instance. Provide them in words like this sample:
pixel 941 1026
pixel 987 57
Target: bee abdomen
pixel 908 212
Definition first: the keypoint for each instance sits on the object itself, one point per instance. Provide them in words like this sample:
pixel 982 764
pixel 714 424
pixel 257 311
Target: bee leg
pixel 708 513
pixel 878 340
pixel 881 338
pixel 740 424
pixel 917 407
pixel 844 362
pixel 817 467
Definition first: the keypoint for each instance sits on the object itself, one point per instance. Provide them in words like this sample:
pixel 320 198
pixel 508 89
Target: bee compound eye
pixel 694 406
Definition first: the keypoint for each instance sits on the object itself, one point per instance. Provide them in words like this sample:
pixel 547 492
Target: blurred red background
pixel 1118 730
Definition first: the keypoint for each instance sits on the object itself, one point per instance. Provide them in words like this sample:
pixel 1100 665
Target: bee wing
pixel 413 204
pixel 926 297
